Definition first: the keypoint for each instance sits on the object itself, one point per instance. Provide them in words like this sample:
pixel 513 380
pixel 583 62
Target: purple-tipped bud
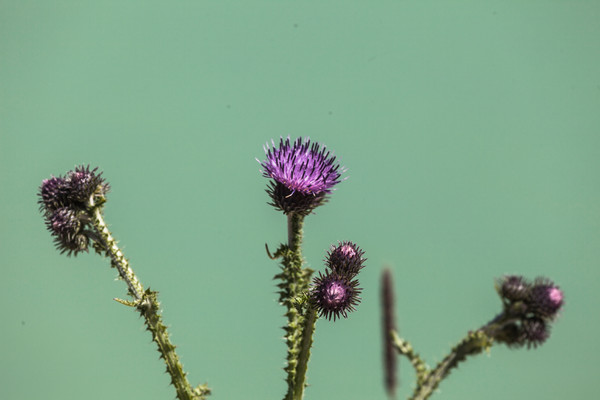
pixel 535 332
pixel 66 203
pixel 66 225
pixel 333 295
pixel 64 222
pixel 346 259
pixel 545 298
pixel 531 332
pixel 84 183
pixel 513 288
pixel 74 190
pixel 303 175
pixel 53 194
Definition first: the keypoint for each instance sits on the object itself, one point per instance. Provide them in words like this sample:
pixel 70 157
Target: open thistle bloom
pixel 303 174
pixel 65 203
pixel 346 258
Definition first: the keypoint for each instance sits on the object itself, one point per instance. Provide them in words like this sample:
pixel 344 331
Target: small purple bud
pixel 346 259
pixel 303 175
pixel 513 288
pixel 333 295
pixel 53 194
pixel 64 222
pixel 84 182
pixel 535 332
pixel 66 226
pixel 531 332
pixel 74 190
pixel 545 298
pixel 66 203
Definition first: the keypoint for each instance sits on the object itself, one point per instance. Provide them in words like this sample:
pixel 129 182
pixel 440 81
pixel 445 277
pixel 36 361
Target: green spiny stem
pixel 118 260
pixel 149 308
pixel 295 280
pixel 295 233
pixel 147 304
pixel 427 379
pixel 406 349
pixel 474 343
pixel 310 321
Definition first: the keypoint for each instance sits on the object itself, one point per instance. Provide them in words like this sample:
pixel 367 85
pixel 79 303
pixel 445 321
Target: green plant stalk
pixel 429 379
pixel 310 321
pixel 147 304
pixel 294 285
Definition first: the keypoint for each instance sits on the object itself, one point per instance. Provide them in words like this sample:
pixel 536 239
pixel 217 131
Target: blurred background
pixel 470 131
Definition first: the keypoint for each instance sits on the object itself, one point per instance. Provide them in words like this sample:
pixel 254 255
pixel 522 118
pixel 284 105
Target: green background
pixel 470 130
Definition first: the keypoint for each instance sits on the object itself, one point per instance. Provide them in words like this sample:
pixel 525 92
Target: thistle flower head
pixel 53 193
pixel 83 183
pixel 513 288
pixel 333 295
pixel 346 258
pixel 530 332
pixel 74 190
pixel 303 174
pixel 529 309
pixel 545 298
pixel 66 202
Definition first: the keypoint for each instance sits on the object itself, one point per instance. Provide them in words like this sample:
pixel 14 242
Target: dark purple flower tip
pixel 74 190
pixel 346 259
pixel 530 332
pixel 513 288
pixel 84 183
pixel 545 298
pixel 53 193
pixel 64 222
pixel 535 332
pixel 303 172
pixel 333 295
pixel 66 225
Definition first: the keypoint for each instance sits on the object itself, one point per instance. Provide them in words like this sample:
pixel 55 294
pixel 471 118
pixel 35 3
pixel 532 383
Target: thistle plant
pixel 302 176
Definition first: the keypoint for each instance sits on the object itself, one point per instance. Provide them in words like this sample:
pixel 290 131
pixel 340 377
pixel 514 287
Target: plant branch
pixel 146 302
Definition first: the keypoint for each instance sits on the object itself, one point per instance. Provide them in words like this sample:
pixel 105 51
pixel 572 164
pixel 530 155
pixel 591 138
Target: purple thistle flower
pixel 303 175
pixel 545 298
pixel 346 259
pixel 333 295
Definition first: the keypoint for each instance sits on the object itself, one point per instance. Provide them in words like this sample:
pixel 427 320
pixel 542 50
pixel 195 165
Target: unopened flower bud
pixel 334 296
pixel 345 259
